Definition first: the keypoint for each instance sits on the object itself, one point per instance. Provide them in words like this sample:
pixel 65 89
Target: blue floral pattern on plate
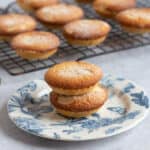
pixel 29 108
pixel 119 110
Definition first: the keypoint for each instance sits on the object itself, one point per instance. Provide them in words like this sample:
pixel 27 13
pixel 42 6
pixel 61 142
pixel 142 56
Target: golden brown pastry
pixel 81 105
pixel 58 15
pixel 109 8
pixel 13 24
pixel 33 5
pixel 86 32
pixel 35 45
pixel 136 20
pixel 73 77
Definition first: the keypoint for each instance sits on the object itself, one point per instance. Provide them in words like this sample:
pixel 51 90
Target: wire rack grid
pixel 118 40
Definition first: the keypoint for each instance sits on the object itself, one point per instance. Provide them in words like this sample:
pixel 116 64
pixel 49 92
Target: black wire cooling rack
pixel 117 40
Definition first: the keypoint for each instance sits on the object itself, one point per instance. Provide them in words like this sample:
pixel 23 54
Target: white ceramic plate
pixel 29 108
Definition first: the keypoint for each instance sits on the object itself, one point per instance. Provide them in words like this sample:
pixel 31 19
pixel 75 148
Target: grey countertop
pixel 132 64
pixel 4 3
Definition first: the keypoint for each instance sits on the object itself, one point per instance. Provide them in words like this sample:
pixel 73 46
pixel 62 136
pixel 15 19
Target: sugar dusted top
pixel 73 75
pixel 16 23
pixel 36 41
pixel 60 13
pixel 135 17
pixel 86 29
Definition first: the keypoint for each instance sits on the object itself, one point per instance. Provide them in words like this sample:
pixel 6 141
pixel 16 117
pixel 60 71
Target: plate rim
pixel 120 131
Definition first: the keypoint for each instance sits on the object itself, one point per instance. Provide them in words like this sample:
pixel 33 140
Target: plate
pixel 29 108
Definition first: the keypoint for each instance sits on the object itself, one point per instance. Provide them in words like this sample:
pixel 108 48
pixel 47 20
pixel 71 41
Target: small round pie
pixel 35 45
pixel 13 24
pixel 73 77
pixel 136 20
pixel 109 8
pixel 81 105
pixel 58 15
pixel 86 32
pixel 32 5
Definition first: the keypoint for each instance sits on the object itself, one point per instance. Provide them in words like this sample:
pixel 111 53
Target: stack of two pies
pixel 76 92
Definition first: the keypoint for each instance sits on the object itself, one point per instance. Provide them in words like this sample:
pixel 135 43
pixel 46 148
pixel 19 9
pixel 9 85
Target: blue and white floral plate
pixel 29 108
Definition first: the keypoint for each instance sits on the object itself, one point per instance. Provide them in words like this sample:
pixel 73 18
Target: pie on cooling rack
pixel 35 44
